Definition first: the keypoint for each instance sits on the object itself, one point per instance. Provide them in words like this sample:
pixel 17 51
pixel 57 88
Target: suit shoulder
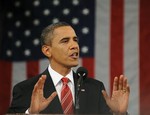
pixel 94 82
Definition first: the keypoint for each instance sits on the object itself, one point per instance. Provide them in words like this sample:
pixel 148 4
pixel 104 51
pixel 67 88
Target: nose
pixel 74 45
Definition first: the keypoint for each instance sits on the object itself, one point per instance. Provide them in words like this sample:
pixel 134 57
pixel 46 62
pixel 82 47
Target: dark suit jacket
pixel 91 100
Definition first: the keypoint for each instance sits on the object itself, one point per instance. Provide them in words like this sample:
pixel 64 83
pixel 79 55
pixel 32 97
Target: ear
pixel 46 50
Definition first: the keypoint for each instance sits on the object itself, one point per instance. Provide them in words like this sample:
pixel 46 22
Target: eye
pixel 76 39
pixel 64 40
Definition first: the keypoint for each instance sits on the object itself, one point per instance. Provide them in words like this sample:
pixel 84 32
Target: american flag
pixel 114 39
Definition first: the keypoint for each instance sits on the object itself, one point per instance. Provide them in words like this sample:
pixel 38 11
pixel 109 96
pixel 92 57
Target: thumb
pixel 105 95
pixel 52 96
pixel 46 102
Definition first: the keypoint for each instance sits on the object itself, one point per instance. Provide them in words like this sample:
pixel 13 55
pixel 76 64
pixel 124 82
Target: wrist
pixel 32 112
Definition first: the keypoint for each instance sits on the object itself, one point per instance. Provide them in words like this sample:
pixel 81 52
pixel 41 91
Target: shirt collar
pixel 56 77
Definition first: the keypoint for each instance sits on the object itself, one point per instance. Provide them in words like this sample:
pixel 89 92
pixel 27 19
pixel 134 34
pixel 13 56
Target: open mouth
pixel 74 55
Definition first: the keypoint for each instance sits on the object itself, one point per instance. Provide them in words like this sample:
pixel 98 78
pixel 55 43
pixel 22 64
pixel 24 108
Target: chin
pixel 74 64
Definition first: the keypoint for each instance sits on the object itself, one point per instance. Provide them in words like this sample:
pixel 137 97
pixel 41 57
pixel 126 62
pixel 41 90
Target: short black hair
pixel 47 33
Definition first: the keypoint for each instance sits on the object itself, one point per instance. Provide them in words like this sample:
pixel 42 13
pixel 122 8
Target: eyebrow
pixel 66 38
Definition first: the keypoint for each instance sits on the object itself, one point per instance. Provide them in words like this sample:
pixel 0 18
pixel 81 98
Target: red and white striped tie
pixel 66 97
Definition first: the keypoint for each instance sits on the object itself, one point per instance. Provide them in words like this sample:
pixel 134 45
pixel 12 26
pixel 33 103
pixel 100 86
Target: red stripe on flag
pixel 32 68
pixel 116 42
pixel 144 57
pixel 89 64
pixel 5 88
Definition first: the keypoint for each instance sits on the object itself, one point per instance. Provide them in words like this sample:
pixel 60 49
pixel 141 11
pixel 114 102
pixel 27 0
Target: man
pixel 43 93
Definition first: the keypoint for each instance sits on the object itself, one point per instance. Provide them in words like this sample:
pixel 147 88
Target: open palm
pixel 38 101
pixel 118 102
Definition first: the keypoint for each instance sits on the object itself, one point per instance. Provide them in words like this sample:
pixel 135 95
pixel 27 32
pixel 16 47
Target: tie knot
pixel 65 80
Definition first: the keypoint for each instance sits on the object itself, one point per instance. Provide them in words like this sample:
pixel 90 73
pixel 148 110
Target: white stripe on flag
pixel 102 46
pixel 18 72
pixel 131 52
pixel 43 64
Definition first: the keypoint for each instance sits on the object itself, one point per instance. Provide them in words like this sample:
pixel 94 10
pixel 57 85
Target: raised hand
pixel 118 102
pixel 38 101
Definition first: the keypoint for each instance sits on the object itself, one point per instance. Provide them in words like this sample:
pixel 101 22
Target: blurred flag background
pixel 114 37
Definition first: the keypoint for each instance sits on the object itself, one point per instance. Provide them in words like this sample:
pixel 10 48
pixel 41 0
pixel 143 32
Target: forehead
pixel 64 31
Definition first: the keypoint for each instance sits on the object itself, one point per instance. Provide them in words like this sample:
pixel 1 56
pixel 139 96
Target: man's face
pixel 64 49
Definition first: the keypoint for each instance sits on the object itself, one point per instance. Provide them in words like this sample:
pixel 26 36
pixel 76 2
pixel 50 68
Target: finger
pixel 39 85
pixel 52 96
pixel 128 88
pixel 35 89
pixel 115 84
pixel 124 83
pixel 41 82
pixel 121 82
pixel 105 95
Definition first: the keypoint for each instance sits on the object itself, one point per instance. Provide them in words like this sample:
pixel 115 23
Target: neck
pixel 61 70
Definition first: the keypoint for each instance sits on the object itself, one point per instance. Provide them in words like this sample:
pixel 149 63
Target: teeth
pixel 74 54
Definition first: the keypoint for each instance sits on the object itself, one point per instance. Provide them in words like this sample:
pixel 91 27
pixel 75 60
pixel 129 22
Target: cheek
pixel 62 52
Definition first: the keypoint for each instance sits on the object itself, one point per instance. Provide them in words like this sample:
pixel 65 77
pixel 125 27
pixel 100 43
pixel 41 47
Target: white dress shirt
pixel 56 78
